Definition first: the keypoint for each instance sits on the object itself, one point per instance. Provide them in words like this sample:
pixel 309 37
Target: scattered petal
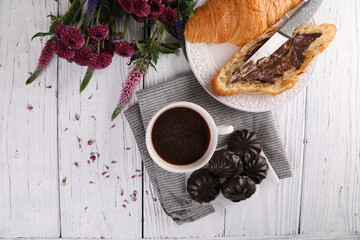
pixel 63 182
pixel 135 192
pixel 65 129
pixel 93 117
pixel 121 192
pixel 78 139
pixel 126 201
pixel 133 198
pixel 128 148
pixel 98 154
pixel 30 73
pixel 104 173
pixel 56 94
pixel 142 220
pixel 154 199
pixel 93 158
pixel 124 206
pixel 147 192
pixel 112 126
pixel 91 182
pixel 77 117
pixel 90 142
pixel 49 86
pixel 112 162
pixel 86 208
pixel 88 161
pixel 106 166
pixel 30 107
pixel 107 176
pixel 129 214
pixel 90 96
pixel 138 171
pixel 76 164
pixel 140 175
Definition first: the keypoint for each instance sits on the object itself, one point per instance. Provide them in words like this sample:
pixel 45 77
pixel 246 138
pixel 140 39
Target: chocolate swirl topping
pixel 203 186
pixel 238 188
pixel 225 163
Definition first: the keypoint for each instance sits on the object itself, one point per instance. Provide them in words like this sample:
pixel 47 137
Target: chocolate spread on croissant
pixel 265 70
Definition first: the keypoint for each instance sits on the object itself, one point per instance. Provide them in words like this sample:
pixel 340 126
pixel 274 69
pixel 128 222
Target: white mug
pixel 215 131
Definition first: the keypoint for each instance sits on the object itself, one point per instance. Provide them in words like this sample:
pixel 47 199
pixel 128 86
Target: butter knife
pixel 302 15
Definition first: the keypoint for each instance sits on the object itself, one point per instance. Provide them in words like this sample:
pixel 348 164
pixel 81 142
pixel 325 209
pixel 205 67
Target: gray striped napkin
pixel 170 188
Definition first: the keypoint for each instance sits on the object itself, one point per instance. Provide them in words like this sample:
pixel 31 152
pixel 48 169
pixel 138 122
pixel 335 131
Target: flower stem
pixel 80 22
pixel 126 26
pixel 98 15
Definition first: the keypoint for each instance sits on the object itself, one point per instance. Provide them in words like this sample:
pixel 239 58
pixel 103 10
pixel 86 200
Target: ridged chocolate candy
pixel 256 168
pixel 225 163
pixel 203 186
pixel 238 188
pixel 244 141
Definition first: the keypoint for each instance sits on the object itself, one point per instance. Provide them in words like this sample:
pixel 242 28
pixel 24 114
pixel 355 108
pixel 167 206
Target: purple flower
pixel 126 5
pixel 156 9
pixel 72 37
pixel 125 49
pixel 109 50
pixel 169 16
pixel 59 30
pixel 99 31
pixel 140 8
pixel 100 61
pixel 82 56
pixel 90 10
pixel 63 51
pixel 44 60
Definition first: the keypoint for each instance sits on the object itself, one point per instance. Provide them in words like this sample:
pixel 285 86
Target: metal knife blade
pixel 301 16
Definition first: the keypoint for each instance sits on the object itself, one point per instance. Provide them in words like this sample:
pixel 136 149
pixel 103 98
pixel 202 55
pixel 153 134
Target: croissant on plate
pixel 235 21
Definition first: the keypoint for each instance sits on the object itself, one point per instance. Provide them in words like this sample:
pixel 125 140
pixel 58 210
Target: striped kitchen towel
pixel 170 188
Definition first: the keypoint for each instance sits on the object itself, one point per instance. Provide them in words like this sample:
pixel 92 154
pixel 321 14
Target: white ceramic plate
pixel 206 60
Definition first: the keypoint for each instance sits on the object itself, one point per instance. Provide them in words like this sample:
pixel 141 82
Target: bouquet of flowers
pixel 92 39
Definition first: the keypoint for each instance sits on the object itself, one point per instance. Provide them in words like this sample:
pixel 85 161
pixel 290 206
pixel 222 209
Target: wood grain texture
pixel 331 188
pixel 95 210
pixel 28 152
pixel 156 223
pixel 276 212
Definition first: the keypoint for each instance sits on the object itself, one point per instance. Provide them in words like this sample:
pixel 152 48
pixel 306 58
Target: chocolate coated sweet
pixel 256 168
pixel 225 163
pixel 238 188
pixel 203 186
pixel 290 55
pixel 244 141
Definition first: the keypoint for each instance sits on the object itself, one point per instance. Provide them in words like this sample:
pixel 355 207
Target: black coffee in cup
pixel 180 136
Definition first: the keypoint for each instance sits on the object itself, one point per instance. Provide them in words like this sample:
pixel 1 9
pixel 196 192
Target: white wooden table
pixel 39 148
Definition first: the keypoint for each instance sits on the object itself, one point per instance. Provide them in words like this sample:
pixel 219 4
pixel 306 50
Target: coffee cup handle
pixel 224 129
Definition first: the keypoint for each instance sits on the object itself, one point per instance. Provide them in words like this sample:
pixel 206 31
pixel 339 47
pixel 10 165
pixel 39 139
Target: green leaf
pixel 41 34
pixel 165 49
pixel 116 112
pixel 140 46
pixel 88 75
pixel 151 64
pixel 171 30
pixel 173 46
pixel 163 35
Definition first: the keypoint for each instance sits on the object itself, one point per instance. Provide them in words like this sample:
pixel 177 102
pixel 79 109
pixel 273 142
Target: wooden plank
pixel 331 190
pixel 277 211
pixel 156 223
pixel 95 210
pixel 29 204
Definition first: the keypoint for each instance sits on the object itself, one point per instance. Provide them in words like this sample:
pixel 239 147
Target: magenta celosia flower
pixel 126 5
pixel 82 56
pixel 130 84
pixel 99 31
pixel 156 9
pixel 59 30
pixel 72 37
pixel 138 19
pixel 125 49
pixel 62 50
pixel 100 61
pixel 169 16
pixel 140 8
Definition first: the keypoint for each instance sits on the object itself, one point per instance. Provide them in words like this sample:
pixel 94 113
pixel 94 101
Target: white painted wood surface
pixel 320 129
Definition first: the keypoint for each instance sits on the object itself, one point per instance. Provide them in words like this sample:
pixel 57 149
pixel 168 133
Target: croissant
pixel 235 21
